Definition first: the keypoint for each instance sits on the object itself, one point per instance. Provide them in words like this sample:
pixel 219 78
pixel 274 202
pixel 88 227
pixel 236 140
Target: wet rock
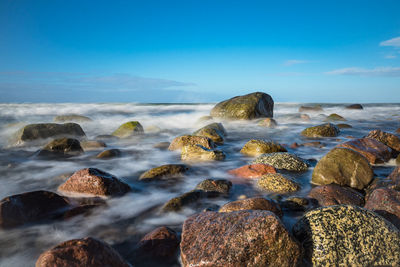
pixel 200 153
pixel 315 108
pixel 240 238
pixel 282 161
pixel 106 137
pixel 328 195
pixel 373 150
pixel 385 202
pixel 186 140
pixel 30 207
pixel 162 145
pixel 88 252
pixel 214 131
pixel 258 147
pixel 335 117
pixel 41 131
pixel 129 129
pixel 153 129
pixel 298 204
pixel 92 181
pixel 323 130
pixel 252 171
pixel 343 166
pixel 203 119
pixel 278 183
pixel 394 176
pixel 398 130
pixel 388 139
pixel 268 122
pixel 177 203
pixel 398 160
pixel 164 171
pixel 92 145
pixel 305 117
pixel 314 144
pixel 71 118
pixel 109 154
pixel 246 107
pixel 345 235
pixel 343 126
pixel 215 186
pixel 254 203
pixel 63 147
pixel 79 210
pixel 354 106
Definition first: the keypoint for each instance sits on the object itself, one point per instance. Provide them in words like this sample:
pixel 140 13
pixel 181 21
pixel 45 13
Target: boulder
pixel 335 117
pixel 215 186
pixel 109 154
pixel 164 171
pixel 240 238
pixel 386 202
pixel 63 147
pixel 88 252
pixel 129 129
pixel 71 118
pixel 258 147
pixel 186 140
pixel 394 176
pixel 246 107
pixel 354 106
pixel 92 145
pixel 373 150
pixel 204 119
pixel 388 139
pixel 177 203
pixel 268 122
pixel 277 183
pixel 343 166
pixel 254 203
pixel 345 235
pixel 200 153
pixel 344 126
pixel 92 181
pixel 252 171
pixel 323 130
pixel 214 131
pixel 282 161
pixel 30 207
pixel 315 108
pixel 332 194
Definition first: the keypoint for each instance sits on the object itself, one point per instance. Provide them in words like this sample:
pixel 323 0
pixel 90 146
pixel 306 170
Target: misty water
pixel 124 220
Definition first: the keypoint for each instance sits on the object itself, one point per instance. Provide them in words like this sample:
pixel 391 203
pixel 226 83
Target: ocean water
pixel 126 219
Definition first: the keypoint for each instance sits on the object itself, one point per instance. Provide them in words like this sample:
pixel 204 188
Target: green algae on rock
pixel 345 235
pixel 258 147
pixel 282 161
pixel 323 130
pixel 277 183
pixel 214 131
pixel 164 171
pixel 129 129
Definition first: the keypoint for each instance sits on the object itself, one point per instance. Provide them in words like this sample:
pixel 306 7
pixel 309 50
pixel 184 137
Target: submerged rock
pixel 335 117
pixel 278 183
pixel 200 153
pixel 214 131
pixel 164 171
pixel 344 126
pixel 109 154
pixel 216 186
pixel 315 108
pixel 92 145
pixel 328 195
pixel 388 139
pixel 345 235
pixel 258 147
pixel 282 161
pixel 246 107
pixel 268 122
pixel 88 252
pixel 177 203
pixel 162 145
pixel 323 130
pixel 385 202
pixel 252 171
pixel 63 147
pixel 186 140
pixel 71 118
pixel 254 203
pixel 354 106
pixel 240 238
pixel 129 129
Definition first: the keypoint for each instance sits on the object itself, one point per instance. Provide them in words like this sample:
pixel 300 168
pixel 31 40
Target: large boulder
pixel 214 131
pixel 164 171
pixel 246 107
pixel 63 147
pixel 240 238
pixel 129 129
pixel 88 252
pixel 277 183
pixel 343 166
pixel 345 235
pixel 92 181
pixel 254 203
pixel 71 118
pixel 252 171
pixel 258 147
pixel 282 161
pixel 388 139
pixel 186 140
pixel 386 202
pixel 323 130
pixel 30 207
pixel 200 153
pixel 332 194
pixel 373 150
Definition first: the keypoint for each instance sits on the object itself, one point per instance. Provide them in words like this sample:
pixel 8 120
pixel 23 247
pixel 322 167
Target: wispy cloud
pixel 292 62
pixel 395 42
pixel 379 71
pixel 390 56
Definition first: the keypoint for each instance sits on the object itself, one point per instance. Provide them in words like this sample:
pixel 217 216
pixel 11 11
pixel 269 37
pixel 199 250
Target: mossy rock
pixel 343 166
pixel 277 183
pixel 323 130
pixel 258 147
pixel 129 129
pixel 214 131
pixel 71 118
pixel 200 153
pixel 335 117
pixel 282 161
pixel 164 171
pixel 246 107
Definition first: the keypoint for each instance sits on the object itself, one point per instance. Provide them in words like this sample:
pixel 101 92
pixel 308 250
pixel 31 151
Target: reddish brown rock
pixel 386 202
pixel 30 207
pixel 92 181
pixel 394 176
pixel 294 145
pixel 186 140
pixel 253 170
pixel 254 203
pixel 333 194
pixel 373 150
pixel 388 139
pixel 88 252
pixel 398 130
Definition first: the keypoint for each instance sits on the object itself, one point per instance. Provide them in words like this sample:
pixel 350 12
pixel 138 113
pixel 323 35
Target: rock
pixel 203 119
pixel 71 118
pixel 398 160
pixel 373 150
pixel 252 171
pixel 63 147
pixel 153 129
pixel 240 238
pixel 162 145
pixel 354 106
pixel 92 145
pixel 215 186
pixel 344 126
pixel 315 108
pixel 305 117
pixel 277 183
pixel 332 194
pixel 388 139
pixel 88 252
pixel 246 107
pixel 268 122
pixel 345 235
pixel 314 144
pixel 186 140
pixel 177 203
pixel 282 161
pixel 254 203
pixel 106 137
pixel 30 207
pixel 200 153
pixel 385 202
pixel 398 130
pixel 92 181
pixel 129 129
pixel 214 131
pixel 41 131
pixel 343 166
pixel 164 171
pixel 323 130
pixel 298 203
pixel 334 117
pixel 109 154
pixel 258 147
pixel 394 176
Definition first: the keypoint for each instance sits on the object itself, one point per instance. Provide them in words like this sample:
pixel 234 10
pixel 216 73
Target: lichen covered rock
pixel 218 186
pixel 258 147
pixel 129 129
pixel 277 183
pixel 214 131
pixel 164 171
pixel 323 130
pixel 186 140
pixel 200 153
pixel 282 161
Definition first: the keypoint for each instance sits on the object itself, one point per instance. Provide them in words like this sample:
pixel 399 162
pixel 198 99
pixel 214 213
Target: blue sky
pixel 199 50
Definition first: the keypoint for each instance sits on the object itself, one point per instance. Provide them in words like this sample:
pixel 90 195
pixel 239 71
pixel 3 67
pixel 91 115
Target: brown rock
pixel 92 145
pixel 354 106
pixel 63 147
pixel 385 202
pixel 394 176
pixel 88 252
pixel 164 171
pixel 332 194
pixel 240 238
pixel 96 182
pixel 255 203
pixel 109 153
pixel 162 145
pixel 294 145
pixel 200 153
pixel 258 147
pixel 268 122
pixel 214 186
pixel 252 170
pixel 373 150
pixel 185 140
pixel 388 139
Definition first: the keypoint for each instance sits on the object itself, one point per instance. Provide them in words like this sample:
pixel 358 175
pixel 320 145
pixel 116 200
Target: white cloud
pixel 379 71
pixel 390 56
pixel 392 42
pixel 292 62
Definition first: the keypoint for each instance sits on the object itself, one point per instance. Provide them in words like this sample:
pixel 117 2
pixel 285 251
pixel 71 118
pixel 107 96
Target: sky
pixel 199 50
